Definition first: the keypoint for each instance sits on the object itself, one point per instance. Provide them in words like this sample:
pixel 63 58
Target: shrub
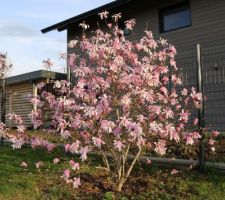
pixel 125 101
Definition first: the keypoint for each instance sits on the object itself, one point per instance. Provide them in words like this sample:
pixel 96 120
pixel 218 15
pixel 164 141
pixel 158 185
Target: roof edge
pixel 35 75
pixel 62 25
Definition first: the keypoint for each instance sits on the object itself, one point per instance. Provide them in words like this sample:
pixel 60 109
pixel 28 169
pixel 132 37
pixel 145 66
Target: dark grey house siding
pixel 207 29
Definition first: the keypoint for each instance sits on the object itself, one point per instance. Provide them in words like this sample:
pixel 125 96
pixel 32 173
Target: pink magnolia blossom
pixel 213 149
pixel 74 165
pixel 116 17
pixel 21 128
pixel 107 126
pixel 56 160
pixel 83 151
pixel 57 84
pixel 174 171
pixel 195 121
pixel 98 142
pixel 73 148
pixel 48 64
pixel 215 133
pixel 76 182
pixel 39 164
pixel 72 43
pixel 104 15
pixel 211 142
pixel 66 174
pixel 40 85
pixel 160 147
pixel 17 142
pixel 148 161
pixel 126 101
pixel 65 134
pixel 84 26
pixel 130 24
pixel 184 92
pixel 118 145
pixel 24 164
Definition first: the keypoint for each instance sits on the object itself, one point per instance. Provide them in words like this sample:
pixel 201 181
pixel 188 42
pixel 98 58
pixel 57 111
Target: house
pixel 19 87
pixel 183 23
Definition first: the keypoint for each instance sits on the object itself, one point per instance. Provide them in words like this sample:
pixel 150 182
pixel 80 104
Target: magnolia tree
pixel 123 103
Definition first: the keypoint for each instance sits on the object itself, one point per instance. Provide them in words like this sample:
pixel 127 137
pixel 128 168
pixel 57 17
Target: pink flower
pixel 66 174
pixel 116 17
pixel 97 142
pixel 184 92
pixel 84 26
pixel 65 134
pixel 72 43
pixel 148 161
pixel 40 85
pixel 211 142
pixel 130 24
pixel 125 121
pixel 184 115
pixel 73 148
pixel 215 133
pixel 57 84
pixel 168 113
pixel 195 121
pixel 48 64
pixel 56 160
pixel 86 136
pixel 160 147
pixel 189 140
pixel 76 182
pixel 141 118
pixel 103 15
pixel 49 146
pixel 107 126
pixel 21 128
pixel 74 165
pixel 83 152
pixel 24 164
pixel 126 101
pixel 17 143
pixel 164 90
pixel 174 171
pixel 117 132
pixel 39 164
pixel 118 145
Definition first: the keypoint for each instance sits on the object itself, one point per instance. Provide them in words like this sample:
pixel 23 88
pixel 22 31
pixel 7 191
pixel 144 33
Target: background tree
pixel 5 66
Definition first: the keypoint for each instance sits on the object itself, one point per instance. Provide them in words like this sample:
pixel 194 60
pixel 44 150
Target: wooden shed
pixel 19 87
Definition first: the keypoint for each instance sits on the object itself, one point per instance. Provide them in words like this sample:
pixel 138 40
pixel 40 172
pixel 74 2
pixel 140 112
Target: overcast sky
pixel 20 25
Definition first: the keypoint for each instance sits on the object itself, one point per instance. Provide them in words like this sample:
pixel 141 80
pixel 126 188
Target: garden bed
pixel 148 182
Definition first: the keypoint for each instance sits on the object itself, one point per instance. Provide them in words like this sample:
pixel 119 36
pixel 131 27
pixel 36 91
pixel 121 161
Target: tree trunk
pixel 120 185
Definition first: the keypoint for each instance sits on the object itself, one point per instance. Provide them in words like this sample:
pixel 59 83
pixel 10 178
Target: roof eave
pixel 64 24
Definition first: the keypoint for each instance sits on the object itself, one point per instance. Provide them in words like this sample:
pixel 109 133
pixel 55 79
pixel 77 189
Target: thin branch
pixel 133 163
pixel 106 160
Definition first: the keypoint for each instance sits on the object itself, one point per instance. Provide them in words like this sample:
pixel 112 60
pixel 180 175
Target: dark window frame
pixel 171 10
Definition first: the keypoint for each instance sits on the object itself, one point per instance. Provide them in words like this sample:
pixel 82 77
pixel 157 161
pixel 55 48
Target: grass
pixel 17 183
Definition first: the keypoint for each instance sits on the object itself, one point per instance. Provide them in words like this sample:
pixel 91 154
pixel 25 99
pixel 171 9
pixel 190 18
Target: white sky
pixel 20 35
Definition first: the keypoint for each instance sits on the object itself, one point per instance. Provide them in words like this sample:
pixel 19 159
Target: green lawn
pixel 17 183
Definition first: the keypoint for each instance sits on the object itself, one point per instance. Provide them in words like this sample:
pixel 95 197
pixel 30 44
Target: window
pixel 175 17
